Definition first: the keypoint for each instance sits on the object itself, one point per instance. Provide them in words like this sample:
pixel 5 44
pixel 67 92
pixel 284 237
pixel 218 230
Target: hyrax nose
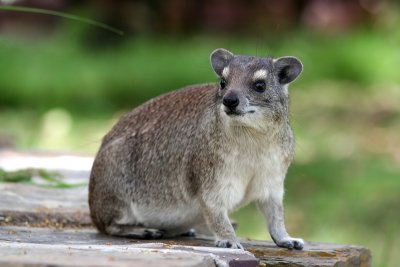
pixel 231 101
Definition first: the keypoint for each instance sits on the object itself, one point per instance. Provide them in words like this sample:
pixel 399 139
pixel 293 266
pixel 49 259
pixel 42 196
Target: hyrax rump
pixel 194 155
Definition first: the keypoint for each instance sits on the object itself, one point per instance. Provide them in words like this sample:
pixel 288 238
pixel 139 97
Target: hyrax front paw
pixel 228 244
pixel 290 243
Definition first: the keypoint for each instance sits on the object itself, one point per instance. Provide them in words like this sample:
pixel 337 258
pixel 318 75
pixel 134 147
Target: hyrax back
pixel 194 155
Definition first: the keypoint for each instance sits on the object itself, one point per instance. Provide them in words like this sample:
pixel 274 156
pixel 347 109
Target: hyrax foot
pixel 290 243
pixel 228 244
pixel 190 233
pixel 153 234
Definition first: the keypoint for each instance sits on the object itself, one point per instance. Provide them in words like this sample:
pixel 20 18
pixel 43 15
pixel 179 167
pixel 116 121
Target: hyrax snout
pixel 194 155
pixel 231 101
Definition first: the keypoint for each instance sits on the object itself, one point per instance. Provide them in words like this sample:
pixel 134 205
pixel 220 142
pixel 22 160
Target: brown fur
pixel 164 164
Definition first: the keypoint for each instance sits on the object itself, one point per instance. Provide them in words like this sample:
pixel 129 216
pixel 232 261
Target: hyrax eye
pixel 222 83
pixel 259 86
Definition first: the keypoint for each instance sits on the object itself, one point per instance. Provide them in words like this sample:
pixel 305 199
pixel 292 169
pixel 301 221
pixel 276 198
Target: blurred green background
pixel 63 84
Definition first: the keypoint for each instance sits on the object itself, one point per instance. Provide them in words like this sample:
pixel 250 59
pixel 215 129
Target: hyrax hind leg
pixel 115 217
pixel 140 232
pixel 125 224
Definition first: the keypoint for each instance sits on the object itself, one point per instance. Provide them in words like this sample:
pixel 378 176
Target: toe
pixel 147 234
pixel 291 243
pixel 158 234
pixel 152 234
pixel 288 244
pixel 298 244
pixel 228 244
pixel 190 233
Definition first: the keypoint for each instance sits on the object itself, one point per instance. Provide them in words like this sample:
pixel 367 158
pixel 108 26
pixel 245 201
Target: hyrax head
pixel 254 88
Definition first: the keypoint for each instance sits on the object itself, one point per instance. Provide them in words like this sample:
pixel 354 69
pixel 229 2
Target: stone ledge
pixel 24 246
pixel 51 227
pixel 87 243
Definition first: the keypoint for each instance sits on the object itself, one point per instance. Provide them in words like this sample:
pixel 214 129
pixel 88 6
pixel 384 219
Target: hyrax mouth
pixel 236 112
pixel 233 113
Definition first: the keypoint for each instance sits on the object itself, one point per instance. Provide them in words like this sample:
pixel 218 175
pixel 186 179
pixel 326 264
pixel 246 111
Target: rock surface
pixel 65 246
pixel 51 227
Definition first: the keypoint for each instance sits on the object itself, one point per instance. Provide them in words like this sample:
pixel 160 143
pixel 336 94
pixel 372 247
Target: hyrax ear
pixel 287 69
pixel 220 58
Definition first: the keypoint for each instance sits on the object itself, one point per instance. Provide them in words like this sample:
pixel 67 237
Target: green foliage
pixel 15 177
pixel 49 179
pixel 63 73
